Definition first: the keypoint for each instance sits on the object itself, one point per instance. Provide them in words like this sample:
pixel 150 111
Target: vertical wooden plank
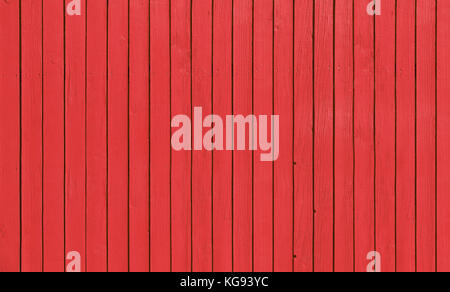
pixel 75 133
pixel 96 55
pixel 443 135
pixel 242 105
pixel 385 134
pixel 364 135
pixel 263 105
pixel 303 137
pixel 10 202
pixel 118 150
pixel 53 196
pixel 344 136
pixel 139 136
pixel 160 131
pixel 201 159
pixel 406 247
pixel 323 147
pixel 31 136
pixel 283 106
pixel 426 123
pixel 222 160
pixel 181 160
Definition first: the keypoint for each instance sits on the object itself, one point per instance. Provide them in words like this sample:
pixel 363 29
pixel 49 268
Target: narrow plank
pixel 323 147
pixel 201 159
pixel 181 160
pixel 263 105
pixel 344 136
pixel 222 160
pixel 406 247
pixel 160 131
pixel 53 196
pixel 283 106
pixel 139 136
pixel 364 135
pixel 10 202
pixel 96 164
pixel 242 105
pixel 75 82
pixel 303 137
pixel 118 148
pixel 385 134
pixel 31 136
pixel 425 119
pixel 443 137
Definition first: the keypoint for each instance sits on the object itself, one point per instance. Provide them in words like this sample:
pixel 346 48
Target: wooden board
pixel 87 164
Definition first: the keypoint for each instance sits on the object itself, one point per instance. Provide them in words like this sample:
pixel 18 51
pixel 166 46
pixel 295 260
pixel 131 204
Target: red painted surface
pixel 405 138
pixel 181 161
pixel 96 156
pixel 443 107
pixel 344 140
pixel 263 171
pixel 222 223
pixel 75 134
pixel 53 137
pixel 85 156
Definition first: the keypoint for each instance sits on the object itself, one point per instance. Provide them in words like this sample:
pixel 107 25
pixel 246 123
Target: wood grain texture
pixel 324 139
pixel 75 135
pixel 385 135
pixel 31 135
pixel 201 160
pixel 85 135
pixel 53 129
pixel 283 106
pixel 343 149
pixel 405 138
pixel 96 138
pixel 181 160
pixel 222 160
pixel 425 136
pixel 118 136
pixel 139 136
pixel 242 160
pixel 10 157
pixel 364 136
pixel 303 136
pixel 160 195
pixel 263 105
pixel 443 142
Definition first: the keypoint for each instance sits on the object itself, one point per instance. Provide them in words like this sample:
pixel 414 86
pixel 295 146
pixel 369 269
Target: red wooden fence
pixel 86 162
